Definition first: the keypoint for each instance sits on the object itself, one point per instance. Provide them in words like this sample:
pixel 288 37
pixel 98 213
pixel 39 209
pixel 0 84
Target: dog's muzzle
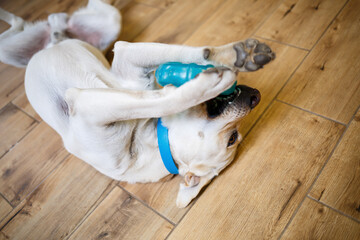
pixel 239 103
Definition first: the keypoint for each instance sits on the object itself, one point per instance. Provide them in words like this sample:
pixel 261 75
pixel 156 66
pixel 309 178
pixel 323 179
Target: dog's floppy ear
pixel 191 180
pixel 98 24
pixel 191 188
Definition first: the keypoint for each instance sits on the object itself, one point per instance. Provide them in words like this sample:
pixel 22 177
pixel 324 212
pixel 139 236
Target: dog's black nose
pixel 254 98
pixel 250 95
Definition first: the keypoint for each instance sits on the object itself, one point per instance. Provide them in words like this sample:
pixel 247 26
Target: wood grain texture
pixel 328 81
pixel 120 216
pixel 233 21
pixel 29 162
pixel 270 79
pixel 59 203
pixel 256 196
pixel 338 185
pixel 11 81
pixel 5 208
pixel 179 21
pixel 14 124
pixel 315 221
pixel 300 23
pixel 4 26
pixel 22 102
pixel 158 3
pixel 40 9
pixel 135 18
pixel 160 196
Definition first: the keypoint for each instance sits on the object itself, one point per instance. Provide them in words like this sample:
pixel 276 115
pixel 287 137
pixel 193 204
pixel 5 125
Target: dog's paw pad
pixel 244 56
pixel 252 55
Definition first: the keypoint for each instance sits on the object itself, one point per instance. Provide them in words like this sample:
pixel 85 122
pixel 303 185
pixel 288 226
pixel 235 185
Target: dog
pixel 108 116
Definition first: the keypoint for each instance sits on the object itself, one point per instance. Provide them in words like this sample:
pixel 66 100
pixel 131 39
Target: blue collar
pixel 164 148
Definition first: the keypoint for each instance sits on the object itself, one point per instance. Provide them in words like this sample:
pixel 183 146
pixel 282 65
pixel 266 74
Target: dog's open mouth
pixel 243 99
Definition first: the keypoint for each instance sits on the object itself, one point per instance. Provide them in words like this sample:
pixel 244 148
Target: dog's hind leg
pixel 16 23
pixel 22 40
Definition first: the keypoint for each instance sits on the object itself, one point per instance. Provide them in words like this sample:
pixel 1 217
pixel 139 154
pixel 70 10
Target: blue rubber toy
pixel 177 73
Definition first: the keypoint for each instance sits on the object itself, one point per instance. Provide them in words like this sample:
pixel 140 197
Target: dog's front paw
pixel 216 80
pixel 244 56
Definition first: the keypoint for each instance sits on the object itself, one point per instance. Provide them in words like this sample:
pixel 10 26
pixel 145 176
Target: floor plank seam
pixel 23 111
pixel 313 113
pixel 13 90
pixel 334 209
pixel 1 195
pixel 308 53
pixel 63 160
pixel 275 97
pixel 316 178
pixel 29 194
pixel 183 216
pixel 6 200
pixel 282 43
pixel 331 22
pixel 2 227
pixel 264 21
pixel 146 205
pixel 33 125
pixel 93 207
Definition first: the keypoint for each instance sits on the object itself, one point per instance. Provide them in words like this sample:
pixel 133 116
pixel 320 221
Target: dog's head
pixel 204 138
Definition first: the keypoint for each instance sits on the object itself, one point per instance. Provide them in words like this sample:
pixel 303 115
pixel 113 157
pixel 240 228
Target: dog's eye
pixel 233 138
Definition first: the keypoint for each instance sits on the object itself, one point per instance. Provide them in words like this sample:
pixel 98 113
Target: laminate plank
pixel 11 82
pixel 55 208
pixel 233 21
pixel 5 208
pixel 179 21
pixel 3 26
pixel 315 221
pixel 135 18
pixel 270 79
pixel 327 82
pixel 22 102
pixel 163 4
pixel 160 196
pixel 338 184
pixel 120 216
pixel 29 162
pixel 255 197
pixel 14 124
pixel 300 23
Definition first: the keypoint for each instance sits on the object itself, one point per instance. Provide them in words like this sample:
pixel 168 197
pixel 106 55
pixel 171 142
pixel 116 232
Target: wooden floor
pixel 297 172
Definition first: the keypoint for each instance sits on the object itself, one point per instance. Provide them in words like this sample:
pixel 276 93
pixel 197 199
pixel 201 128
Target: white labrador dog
pixel 108 115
